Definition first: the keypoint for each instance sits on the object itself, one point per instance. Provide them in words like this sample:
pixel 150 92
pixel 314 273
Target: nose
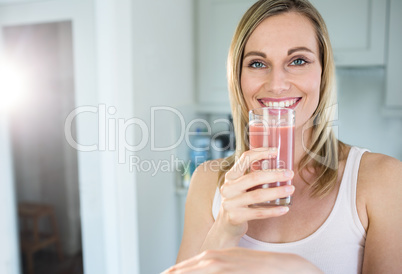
pixel 277 81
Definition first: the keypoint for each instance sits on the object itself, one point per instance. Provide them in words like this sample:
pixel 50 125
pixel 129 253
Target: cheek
pixel 315 92
pixel 316 89
pixel 248 88
pixel 312 87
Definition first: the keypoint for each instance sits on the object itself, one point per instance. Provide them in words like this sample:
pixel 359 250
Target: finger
pixel 196 264
pixel 260 195
pixel 200 268
pixel 243 215
pixel 234 188
pixel 256 196
pixel 248 157
pixel 187 263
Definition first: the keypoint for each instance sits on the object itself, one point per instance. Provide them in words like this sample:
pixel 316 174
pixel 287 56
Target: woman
pixel 344 216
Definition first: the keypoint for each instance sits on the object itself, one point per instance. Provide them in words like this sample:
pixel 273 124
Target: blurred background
pixel 104 104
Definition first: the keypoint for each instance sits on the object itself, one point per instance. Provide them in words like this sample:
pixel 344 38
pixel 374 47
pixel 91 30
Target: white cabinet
pixel 216 23
pixel 393 98
pixel 357 29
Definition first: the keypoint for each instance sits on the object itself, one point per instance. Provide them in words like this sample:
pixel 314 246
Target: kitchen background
pixel 123 66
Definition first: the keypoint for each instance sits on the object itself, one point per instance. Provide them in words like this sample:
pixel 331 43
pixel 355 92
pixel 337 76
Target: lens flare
pixel 13 86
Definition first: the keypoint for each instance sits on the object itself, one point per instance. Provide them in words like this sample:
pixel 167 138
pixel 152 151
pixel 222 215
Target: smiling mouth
pixel 290 102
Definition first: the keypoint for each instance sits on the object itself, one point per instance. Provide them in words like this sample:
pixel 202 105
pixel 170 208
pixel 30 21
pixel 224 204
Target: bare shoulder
pixel 380 186
pixel 205 179
pixel 379 170
pixel 379 183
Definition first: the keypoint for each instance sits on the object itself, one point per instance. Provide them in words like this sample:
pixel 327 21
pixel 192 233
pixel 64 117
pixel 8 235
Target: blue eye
pixel 298 62
pixel 257 64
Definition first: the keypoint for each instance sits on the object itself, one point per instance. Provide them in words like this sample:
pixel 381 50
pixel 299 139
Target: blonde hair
pixel 322 154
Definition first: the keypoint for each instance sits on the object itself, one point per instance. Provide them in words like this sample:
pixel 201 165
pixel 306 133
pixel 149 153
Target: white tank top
pixel 337 246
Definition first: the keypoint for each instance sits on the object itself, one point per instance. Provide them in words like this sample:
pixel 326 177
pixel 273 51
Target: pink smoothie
pixel 281 137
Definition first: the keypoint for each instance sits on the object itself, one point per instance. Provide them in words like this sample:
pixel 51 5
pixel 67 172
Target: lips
pixel 286 102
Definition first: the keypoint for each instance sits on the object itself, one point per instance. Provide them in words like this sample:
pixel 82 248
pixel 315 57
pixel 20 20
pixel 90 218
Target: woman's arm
pixel 201 232
pixel 198 217
pixel 241 260
pixel 380 179
pixel 232 220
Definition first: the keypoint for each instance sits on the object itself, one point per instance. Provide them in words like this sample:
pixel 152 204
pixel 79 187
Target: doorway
pixel 45 166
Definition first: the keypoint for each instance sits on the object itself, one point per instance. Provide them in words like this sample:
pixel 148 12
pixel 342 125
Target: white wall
pixel 163 76
pixel 9 259
pixel 361 98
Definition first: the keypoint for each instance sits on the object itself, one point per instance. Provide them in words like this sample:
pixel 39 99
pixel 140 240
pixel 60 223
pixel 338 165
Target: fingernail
pixel 284 209
pixel 272 149
pixel 288 173
pixel 289 189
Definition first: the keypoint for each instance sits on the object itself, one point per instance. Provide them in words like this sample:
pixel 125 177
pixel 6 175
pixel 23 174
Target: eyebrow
pixel 263 55
pixel 299 49
pixel 258 53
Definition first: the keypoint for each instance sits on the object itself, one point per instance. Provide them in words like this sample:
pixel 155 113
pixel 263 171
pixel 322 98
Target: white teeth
pixel 282 104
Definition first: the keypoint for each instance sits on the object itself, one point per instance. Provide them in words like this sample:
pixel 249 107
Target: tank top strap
pixel 349 184
pixel 216 203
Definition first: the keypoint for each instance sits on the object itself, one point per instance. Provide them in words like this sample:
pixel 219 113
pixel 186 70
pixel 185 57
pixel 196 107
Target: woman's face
pixel 281 66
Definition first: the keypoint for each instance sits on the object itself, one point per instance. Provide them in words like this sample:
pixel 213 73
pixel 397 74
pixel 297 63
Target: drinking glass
pixel 273 127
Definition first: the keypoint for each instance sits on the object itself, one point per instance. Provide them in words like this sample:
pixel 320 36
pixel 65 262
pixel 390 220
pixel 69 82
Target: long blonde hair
pixel 322 154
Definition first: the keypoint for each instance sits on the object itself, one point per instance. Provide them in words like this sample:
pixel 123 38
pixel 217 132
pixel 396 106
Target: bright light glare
pixel 13 86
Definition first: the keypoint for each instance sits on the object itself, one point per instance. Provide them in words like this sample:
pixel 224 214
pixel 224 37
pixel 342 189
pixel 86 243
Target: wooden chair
pixel 31 239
